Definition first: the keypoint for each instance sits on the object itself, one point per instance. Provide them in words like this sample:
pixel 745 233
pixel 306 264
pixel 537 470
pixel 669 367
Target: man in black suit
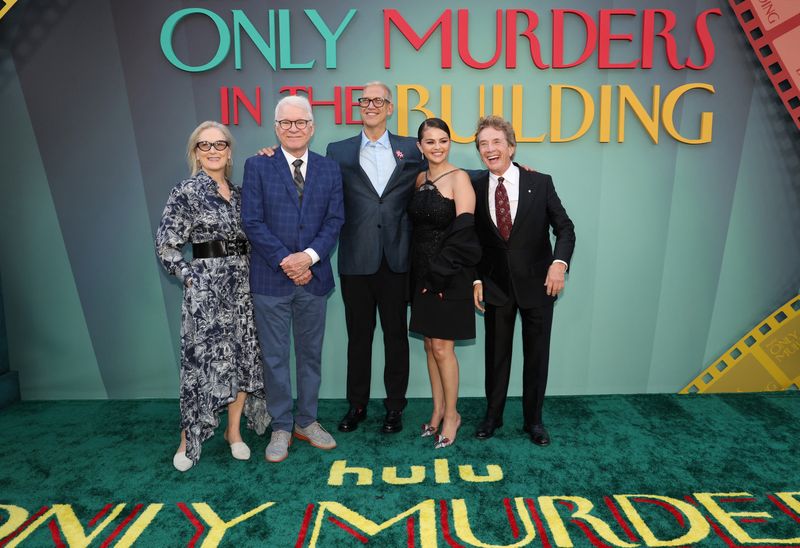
pixel 519 271
pixel 378 174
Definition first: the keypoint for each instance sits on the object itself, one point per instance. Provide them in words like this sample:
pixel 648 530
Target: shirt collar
pixel 510 177
pixel 383 141
pixel 290 158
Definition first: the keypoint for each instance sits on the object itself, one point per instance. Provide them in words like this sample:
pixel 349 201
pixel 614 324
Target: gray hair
pixel 384 86
pixel 500 124
pixel 194 137
pixel 295 101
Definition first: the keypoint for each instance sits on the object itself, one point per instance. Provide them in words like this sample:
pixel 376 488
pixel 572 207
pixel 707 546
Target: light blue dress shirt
pixel 377 160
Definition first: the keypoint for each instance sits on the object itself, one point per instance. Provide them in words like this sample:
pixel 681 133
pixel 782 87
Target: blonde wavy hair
pixel 191 146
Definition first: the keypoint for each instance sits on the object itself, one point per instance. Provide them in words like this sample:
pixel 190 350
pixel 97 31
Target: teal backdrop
pixel 681 248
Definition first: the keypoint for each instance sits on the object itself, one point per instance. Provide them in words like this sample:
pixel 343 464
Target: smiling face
pixel 212 161
pixel 372 116
pixel 434 145
pixel 293 140
pixel 495 150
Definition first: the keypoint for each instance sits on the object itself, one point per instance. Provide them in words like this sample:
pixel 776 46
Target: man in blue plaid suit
pixel 292 211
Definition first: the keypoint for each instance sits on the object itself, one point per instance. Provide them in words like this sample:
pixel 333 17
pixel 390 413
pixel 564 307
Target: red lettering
pixel 605 38
pixel 445 21
pixel 463 40
pixel 240 98
pixel 350 103
pixel 558 38
pixel 223 106
pixel 511 38
pixel 649 35
pixel 706 42
pixel 336 103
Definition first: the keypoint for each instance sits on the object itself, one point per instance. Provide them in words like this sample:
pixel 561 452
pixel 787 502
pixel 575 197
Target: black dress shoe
pixel 538 433
pixel 487 427
pixel 392 422
pixel 350 421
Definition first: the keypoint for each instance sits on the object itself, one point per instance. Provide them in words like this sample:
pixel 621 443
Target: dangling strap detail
pixel 442 175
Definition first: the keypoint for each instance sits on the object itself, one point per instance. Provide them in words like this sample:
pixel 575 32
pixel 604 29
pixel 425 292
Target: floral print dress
pixel 220 355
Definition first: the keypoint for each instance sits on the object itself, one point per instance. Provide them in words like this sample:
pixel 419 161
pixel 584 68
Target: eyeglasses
pixel 364 102
pixel 287 124
pixel 205 146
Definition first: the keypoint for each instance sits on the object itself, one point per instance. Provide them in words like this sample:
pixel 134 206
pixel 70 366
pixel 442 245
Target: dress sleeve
pixel 173 232
pixel 460 251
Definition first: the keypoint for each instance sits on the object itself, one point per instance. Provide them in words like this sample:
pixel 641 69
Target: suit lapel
pixel 355 153
pixel 401 161
pixel 285 174
pixel 310 187
pixel 483 191
pixel 524 200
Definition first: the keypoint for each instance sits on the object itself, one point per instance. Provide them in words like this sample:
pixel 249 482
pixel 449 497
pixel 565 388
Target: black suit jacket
pixel 376 226
pixel 519 266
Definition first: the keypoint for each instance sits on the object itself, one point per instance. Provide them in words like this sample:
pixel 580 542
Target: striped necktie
pixel 299 181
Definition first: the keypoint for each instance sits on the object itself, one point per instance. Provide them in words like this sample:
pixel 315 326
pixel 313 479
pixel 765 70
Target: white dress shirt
pixel 303 169
pixel 377 160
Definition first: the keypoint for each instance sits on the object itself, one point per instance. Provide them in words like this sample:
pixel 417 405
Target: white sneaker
pixel 278 448
pixel 240 451
pixel 316 435
pixel 181 462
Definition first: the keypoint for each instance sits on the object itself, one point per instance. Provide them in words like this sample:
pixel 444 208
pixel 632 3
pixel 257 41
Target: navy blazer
pixel 277 225
pixel 376 226
pixel 520 264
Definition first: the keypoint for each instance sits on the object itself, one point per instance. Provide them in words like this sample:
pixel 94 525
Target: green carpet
pixel 716 470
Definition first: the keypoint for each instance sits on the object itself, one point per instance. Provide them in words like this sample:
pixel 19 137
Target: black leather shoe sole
pixel 486 429
pixel 350 422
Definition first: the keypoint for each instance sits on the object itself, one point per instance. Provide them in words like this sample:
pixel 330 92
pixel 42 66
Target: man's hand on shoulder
pixel 269 152
pixel 555 278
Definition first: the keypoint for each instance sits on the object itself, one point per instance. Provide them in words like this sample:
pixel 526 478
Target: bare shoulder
pixel 421 176
pixel 462 182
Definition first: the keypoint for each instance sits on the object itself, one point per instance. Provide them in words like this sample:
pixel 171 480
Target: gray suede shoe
pixel 278 448
pixel 316 435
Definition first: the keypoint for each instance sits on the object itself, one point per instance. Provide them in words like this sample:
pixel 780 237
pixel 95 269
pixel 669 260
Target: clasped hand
pixel 297 267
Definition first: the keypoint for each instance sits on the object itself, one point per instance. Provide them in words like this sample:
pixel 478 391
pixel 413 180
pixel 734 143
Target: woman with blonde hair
pixel 220 357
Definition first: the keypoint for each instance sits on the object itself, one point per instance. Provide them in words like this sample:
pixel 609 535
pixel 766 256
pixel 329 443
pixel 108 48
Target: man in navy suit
pixel 519 272
pixel 292 212
pixel 378 173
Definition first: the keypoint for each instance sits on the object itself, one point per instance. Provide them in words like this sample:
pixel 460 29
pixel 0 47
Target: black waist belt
pixel 219 248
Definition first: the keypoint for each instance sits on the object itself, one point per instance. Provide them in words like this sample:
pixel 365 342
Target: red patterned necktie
pixel 502 209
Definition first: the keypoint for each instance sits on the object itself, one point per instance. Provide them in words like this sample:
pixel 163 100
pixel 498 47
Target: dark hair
pixel 437 123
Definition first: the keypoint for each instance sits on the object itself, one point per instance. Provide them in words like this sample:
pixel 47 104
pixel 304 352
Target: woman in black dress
pixel 445 250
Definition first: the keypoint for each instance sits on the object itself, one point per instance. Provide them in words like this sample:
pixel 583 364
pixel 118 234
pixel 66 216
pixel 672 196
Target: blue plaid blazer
pixel 277 225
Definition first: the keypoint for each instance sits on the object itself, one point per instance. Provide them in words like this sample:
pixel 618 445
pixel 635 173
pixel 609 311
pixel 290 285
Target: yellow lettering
pixel 605 113
pixel 493 473
pixel 16 517
pixel 583 507
pixel 69 524
pixel 402 105
pixel 650 123
pixel 516 117
pixel 556 92
pixel 339 468
pixel 464 531
pixel 497 100
pixel 698 526
pixel 136 528
pixel 668 115
pixel 447 115
pixel 441 471
pixel 219 527
pixel 427 521
pixel 390 475
pixel 725 518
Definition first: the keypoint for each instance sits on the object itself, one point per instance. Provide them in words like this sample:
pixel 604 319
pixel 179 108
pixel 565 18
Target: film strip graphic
pixel 773 29
pixel 6 5
pixel 767 359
